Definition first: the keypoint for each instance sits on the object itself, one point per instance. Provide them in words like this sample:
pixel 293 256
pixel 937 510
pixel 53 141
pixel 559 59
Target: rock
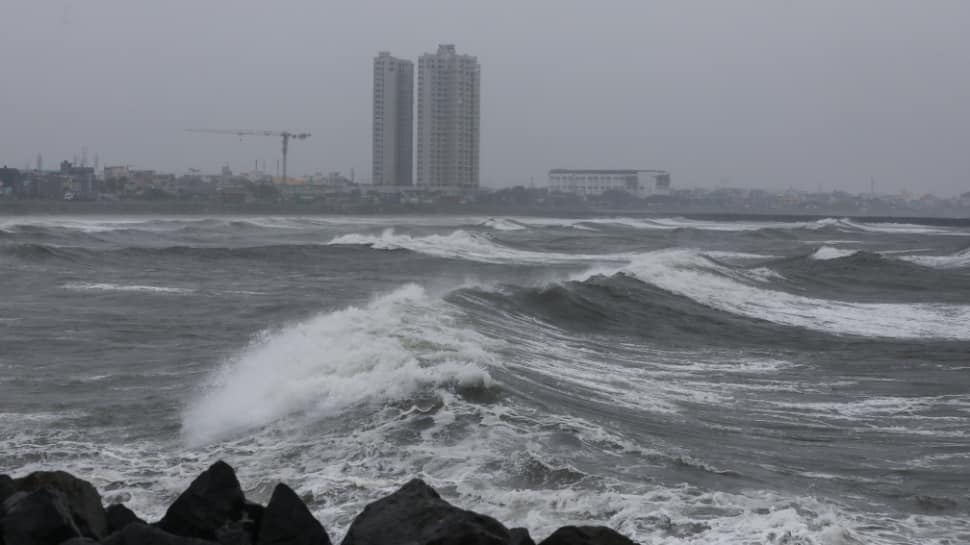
pixel 586 535
pixel 41 517
pixel 253 517
pixel 120 516
pixel 234 533
pixel 417 515
pixel 143 534
pixel 6 488
pixel 212 500
pixel 287 521
pixel 82 499
pixel 80 541
pixel 520 536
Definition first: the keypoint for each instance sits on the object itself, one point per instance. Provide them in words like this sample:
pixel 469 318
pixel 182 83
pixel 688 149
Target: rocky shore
pixel 57 508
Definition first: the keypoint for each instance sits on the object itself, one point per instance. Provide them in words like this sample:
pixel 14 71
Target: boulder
pixel 586 535
pixel 520 536
pixel 213 500
pixel 143 534
pixel 288 521
pixel 417 515
pixel 120 516
pixel 235 533
pixel 6 488
pixel 41 517
pixel 82 499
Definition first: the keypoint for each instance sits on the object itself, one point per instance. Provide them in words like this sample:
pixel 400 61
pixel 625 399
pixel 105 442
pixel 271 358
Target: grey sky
pixel 763 93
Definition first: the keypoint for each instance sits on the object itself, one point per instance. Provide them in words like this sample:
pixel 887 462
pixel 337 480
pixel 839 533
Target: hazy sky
pixel 767 93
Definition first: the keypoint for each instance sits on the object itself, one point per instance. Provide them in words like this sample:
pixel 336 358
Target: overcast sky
pixel 770 93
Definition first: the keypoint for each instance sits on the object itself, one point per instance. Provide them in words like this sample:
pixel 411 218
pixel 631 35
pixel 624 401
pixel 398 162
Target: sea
pixel 683 381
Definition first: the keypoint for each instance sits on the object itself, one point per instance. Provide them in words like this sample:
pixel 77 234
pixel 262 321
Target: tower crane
pixel 285 135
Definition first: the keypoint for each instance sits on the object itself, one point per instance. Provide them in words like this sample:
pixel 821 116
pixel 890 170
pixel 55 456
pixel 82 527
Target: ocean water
pixel 682 381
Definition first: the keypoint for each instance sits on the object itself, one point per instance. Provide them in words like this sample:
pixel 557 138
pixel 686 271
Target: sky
pixel 810 94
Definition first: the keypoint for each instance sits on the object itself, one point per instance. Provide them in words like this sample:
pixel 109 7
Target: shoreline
pixel 147 208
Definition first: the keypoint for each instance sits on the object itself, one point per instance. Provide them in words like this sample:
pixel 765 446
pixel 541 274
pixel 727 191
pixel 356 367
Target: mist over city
pixel 812 95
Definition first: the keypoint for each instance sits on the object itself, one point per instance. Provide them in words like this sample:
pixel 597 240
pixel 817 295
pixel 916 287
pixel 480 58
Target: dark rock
pixel 586 535
pixel 520 536
pixel 82 499
pixel 142 534
pixel 287 521
pixel 41 517
pixel 253 517
pixel 213 500
pixel 120 516
pixel 417 515
pixel 80 541
pixel 6 488
pixel 235 533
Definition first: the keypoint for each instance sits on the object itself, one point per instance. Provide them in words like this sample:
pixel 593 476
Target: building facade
pixel 393 121
pixel 448 120
pixel 641 183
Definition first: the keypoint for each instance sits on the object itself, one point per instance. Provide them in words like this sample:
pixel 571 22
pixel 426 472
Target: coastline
pixel 196 208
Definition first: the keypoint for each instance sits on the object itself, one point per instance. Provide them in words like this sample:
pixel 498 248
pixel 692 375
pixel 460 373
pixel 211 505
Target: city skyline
pixel 755 95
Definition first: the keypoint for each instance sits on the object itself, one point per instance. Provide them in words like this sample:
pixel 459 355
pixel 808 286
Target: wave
pixel 32 251
pixel 691 274
pixel 503 224
pixel 696 275
pixel 385 351
pixel 957 260
pixel 461 244
pixel 103 286
pixel 827 253
pixel 40 252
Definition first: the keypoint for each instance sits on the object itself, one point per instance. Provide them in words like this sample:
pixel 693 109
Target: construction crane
pixel 285 135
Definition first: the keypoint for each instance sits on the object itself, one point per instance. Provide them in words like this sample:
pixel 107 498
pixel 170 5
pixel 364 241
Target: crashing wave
pixel 385 351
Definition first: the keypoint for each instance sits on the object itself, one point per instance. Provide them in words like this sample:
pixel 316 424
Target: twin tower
pixel 448 121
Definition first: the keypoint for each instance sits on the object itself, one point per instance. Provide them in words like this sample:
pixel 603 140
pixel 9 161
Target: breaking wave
pixel 956 260
pixel 385 351
pixel 826 253
pixel 689 273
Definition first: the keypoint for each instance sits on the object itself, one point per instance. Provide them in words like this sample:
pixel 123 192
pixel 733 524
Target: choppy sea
pixel 682 381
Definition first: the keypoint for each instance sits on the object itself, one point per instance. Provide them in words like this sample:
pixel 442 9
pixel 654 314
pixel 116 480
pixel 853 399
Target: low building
pixel 11 182
pixel 81 182
pixel 641 183
pixel 116 173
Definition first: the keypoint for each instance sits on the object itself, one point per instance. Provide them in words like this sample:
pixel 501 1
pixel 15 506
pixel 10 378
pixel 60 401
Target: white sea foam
pixel 103 286
pixel 503 224
pixel 957 260
pixel 386 350
pixel 828 253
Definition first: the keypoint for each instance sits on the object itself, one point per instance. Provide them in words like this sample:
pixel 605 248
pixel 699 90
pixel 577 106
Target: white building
pixel 393 121
pixel 595 182
pixel 448 120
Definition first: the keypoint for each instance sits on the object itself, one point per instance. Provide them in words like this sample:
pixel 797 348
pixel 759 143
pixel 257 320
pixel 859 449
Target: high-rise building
pixel 393 120
pixel 448 120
